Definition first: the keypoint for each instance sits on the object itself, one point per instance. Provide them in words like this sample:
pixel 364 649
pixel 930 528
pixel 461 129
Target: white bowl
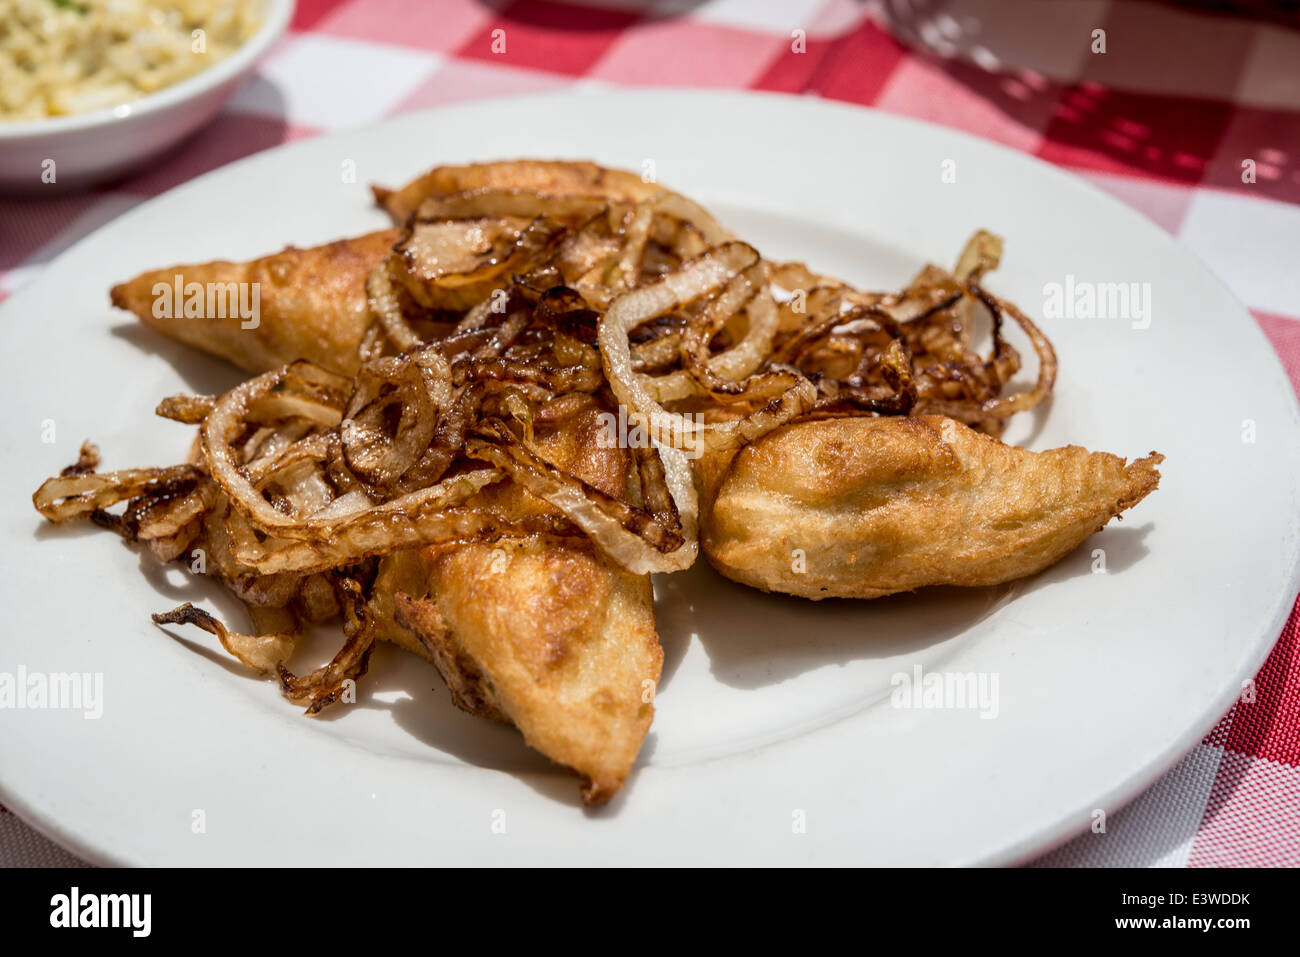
pixel 89 148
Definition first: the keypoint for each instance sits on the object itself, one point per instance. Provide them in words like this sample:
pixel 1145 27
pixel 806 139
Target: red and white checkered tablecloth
pixel 1163 119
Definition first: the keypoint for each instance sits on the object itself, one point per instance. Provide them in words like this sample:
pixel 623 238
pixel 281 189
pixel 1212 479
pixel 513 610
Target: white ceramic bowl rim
pixel 278 15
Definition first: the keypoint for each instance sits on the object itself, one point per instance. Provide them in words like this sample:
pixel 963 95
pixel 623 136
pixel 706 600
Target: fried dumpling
pixel 865 507
pixel 311 304
pixel 548 635
pixel 556 640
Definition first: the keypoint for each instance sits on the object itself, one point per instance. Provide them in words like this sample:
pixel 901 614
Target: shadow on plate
pixel 754 639
pixel 203 374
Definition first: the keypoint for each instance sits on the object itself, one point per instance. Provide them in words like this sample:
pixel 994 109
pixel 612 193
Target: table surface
pixel 1165 119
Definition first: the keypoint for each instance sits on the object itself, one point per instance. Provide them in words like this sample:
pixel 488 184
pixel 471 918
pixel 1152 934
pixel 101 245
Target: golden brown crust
pixel 566 641
pixel 865 507
pixel 312 304
pixel 553 177
pixel 471 690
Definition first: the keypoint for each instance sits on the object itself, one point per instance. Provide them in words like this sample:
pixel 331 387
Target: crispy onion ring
pixel 186 409
pixel 278 630
pixel 226 421
pixel 63 498
pixel 702 277
pixel 692 213
pixel 637 541
pixel 518 203
pixel 419 386
pixel 327 684
pixel 1004 407
pixel 377 535
pixel 384 306
pixel 749 291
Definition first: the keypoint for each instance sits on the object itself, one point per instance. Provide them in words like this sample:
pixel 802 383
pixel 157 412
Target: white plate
pixel 772 711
